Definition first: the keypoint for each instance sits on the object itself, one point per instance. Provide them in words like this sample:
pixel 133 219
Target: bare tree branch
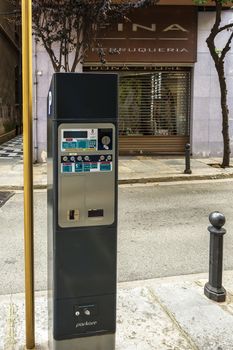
pixel 57 24
pixel 227 26
pixel 227 47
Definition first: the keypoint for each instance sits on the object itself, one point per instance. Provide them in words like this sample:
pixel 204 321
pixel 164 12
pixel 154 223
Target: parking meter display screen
pixel 73 140
pixel 75 134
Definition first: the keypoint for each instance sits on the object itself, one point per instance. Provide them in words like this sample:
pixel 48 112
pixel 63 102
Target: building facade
pixel 168 88
pixel 10 82
pixel 153 54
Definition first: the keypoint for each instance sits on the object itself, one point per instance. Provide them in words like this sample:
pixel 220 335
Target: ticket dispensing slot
pixel 95 213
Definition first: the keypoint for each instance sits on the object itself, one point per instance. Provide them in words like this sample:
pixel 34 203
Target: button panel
pixel 85 310
pixel 87 163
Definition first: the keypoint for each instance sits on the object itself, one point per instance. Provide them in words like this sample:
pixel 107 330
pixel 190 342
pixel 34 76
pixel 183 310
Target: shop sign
pixel 122 68
pixel 158 34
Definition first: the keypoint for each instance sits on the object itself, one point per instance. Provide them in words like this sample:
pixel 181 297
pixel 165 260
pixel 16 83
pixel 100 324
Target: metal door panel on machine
pixel 87 161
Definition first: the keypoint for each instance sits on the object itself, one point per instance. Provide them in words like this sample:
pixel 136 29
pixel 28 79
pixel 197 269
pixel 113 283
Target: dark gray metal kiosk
pixel 82 211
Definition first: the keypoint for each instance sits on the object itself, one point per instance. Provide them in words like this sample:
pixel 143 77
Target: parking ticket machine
pixel 82 211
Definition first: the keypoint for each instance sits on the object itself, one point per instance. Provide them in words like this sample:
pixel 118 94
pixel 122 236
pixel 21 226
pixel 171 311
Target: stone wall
pixel 8 61
pixel 207 120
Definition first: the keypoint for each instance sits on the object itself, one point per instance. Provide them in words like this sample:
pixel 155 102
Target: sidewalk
pixel 131 170
pixel 160 314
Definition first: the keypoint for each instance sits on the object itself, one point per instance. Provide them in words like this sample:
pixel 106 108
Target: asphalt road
pixel 162 232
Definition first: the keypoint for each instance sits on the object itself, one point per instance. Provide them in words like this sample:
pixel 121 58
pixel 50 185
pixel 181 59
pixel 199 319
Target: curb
pixel 144 180
pixel 176 178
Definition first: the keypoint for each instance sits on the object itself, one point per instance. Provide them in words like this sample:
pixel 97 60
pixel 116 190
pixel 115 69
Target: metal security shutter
pixel 154 110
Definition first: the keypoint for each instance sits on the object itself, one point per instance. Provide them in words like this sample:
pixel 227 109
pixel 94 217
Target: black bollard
pixel 214 289
pixel 187 159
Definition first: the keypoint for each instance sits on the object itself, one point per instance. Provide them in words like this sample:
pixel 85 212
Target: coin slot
pixel 71 215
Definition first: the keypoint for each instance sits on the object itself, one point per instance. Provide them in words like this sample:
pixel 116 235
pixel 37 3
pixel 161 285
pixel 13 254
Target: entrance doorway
pixel 154 111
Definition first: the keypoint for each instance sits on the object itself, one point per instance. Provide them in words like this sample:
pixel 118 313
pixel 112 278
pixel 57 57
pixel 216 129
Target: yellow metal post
pixel 28 170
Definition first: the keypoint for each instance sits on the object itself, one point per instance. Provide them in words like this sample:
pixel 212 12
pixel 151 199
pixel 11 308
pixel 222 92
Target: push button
pixel 87 312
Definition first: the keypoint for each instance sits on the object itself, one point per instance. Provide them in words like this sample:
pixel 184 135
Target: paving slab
pixel 141 323
pixel 208 325
pixel 11 174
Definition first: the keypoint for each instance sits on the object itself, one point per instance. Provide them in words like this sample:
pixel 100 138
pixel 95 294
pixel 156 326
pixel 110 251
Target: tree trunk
pixel 219 65
pixel 225 115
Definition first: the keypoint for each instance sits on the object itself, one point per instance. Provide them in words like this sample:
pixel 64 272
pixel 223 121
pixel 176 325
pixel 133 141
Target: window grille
pixel 154 103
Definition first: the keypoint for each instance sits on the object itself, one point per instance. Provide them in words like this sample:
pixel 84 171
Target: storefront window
pixel 155 103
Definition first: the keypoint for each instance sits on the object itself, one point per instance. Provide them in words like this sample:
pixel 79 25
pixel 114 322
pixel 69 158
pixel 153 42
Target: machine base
pixel 100 342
